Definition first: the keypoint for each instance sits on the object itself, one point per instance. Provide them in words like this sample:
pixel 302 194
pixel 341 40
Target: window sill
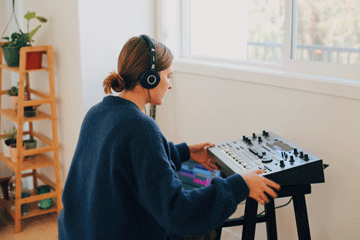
pixel 346 88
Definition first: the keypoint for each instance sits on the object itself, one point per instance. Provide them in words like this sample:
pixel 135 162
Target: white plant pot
pixel 6 148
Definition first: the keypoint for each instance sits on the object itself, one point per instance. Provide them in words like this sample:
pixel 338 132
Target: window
pixel 327 31
pixel 320 37
pixel 242 30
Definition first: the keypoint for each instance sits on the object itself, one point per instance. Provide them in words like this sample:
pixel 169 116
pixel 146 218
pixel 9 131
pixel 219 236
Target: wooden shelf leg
pixel 54 130
pixel 18 189
pixel 34 179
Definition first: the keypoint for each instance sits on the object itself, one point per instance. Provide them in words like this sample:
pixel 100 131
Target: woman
pixel 122 183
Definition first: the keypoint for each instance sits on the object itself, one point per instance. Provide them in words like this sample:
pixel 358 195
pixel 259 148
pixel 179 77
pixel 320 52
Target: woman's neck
pixel 137 96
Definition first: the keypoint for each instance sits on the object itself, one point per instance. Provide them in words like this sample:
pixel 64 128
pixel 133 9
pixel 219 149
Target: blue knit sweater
pixel 122 183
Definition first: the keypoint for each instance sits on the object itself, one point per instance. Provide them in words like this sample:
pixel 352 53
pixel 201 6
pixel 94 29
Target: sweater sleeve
pixel 179 153
pixel 179 211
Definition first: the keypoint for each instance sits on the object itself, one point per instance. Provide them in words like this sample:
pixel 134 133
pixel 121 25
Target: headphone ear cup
pixel 149 79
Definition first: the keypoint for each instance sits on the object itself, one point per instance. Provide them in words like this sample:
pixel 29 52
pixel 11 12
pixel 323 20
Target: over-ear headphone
pixel 150 78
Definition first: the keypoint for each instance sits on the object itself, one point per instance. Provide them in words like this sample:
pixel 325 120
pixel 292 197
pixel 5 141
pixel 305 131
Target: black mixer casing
pixel 283 162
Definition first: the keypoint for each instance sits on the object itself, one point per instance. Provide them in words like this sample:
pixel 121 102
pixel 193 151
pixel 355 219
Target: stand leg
pixel 270 220
pixel 249 219
pixel 302 221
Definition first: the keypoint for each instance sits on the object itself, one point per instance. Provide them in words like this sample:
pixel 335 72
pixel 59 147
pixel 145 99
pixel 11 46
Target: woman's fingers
pixel 272 184
pixel 271 192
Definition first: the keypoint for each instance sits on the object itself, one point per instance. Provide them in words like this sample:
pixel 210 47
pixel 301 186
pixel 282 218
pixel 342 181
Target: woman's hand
pixel 260 185
pixel 198 153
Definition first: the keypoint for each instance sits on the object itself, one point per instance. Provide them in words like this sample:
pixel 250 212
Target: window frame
pixel 335 75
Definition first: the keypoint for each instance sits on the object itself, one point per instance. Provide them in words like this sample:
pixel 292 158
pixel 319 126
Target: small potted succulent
pixel 8 139
pixel 20 39
pixel 13 92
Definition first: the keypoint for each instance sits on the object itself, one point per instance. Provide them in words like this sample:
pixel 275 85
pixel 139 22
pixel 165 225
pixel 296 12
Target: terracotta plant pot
pixel 14 152
pixel 34 60
pixel 14 102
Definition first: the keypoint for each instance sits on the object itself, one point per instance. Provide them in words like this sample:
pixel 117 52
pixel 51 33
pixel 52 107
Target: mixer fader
pixel 282 161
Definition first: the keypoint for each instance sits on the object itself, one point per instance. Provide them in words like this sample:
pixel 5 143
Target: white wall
pixel 62 32
pixel 105 26
pixel 202 108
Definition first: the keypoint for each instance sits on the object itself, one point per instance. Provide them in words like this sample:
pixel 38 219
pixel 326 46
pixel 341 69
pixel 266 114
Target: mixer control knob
pixel 265 134
pixel 282 164
pixel 292 159
pixel 306 157
pixel 259 139
pixel 301 154
pixel 254 136
pixel 295 151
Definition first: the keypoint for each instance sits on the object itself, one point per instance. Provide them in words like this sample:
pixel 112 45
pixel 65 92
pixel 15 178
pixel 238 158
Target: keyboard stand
pixel 250 217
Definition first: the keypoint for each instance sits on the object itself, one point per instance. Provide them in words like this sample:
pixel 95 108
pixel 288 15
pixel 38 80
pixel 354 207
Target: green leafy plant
pixel 22 39
pixel 11 136
pixel 13 91
pixel 32 15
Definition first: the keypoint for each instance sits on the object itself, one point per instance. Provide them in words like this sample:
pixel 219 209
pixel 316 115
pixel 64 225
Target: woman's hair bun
pixel 113 81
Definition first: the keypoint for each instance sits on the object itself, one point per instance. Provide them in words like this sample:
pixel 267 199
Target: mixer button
pixel 267 160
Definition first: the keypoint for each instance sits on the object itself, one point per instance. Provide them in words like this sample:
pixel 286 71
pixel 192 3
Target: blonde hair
pixel 133 59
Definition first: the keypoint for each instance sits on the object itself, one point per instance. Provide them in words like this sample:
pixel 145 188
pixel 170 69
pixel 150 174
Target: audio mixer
pixel 282 161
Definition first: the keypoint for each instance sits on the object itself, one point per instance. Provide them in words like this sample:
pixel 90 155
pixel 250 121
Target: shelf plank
pixel 17 69
pixel 12 115
pixel 34 210
pixel 37 161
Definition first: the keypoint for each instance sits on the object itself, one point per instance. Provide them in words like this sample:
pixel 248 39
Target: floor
pixel 42 227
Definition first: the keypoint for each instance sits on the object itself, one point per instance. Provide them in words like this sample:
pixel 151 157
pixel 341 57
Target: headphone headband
pixel 152 51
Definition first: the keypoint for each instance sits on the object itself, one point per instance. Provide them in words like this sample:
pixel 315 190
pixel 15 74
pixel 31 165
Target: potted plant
pixel 13 92
pixel 30 111
pixel 30 144
pixel 7 139
pixel 20 39
pixel 27 144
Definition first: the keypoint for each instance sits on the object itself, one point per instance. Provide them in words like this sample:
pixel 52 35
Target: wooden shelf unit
pixel 38 158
